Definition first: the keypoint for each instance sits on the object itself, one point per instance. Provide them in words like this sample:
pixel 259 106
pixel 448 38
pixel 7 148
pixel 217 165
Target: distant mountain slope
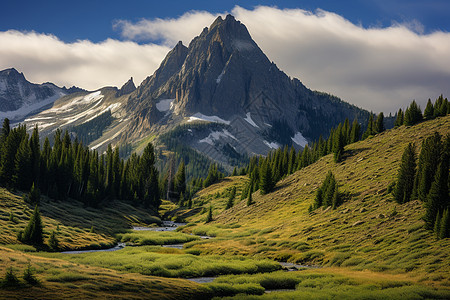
pixel 369 231
pixel 20 98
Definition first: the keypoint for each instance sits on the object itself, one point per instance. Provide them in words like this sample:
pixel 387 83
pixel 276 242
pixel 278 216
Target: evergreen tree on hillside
pixel 444 230
pixel 405 177
pixel 429 158
pixel 438 197
pixel 428 113
pixel 5 131
pixel 338 143
pixel 230 201
pixel 249 198
pixel 35 160
pixel 400 118
pixel 22 177
pixel 369 131
pixel 355 132
pixel 413 114
pixel 266 182
pixel 33 233
pixel 209 217
pixel 180 179
pixel 379 124
pixel 328 193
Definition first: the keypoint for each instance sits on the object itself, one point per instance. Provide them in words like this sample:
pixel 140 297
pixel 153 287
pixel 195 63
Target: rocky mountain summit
pixel 220 96
pixel 19 97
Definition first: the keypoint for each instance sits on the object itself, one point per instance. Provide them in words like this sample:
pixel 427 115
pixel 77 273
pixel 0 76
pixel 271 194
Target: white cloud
pixel 168 31
pixel 380 69
pixel 88 65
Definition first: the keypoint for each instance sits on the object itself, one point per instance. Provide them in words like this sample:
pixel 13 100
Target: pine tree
pixel 437 197
pixel 28 275
pixel 379 124
pixel 209 217
pixel 428 113
pixel 400 118
pixel 444 230
pixel 437 225
pixel 338 144
pixel 429 158
pixel 34 196
pixel 53 242
pixel 180 179
pixel 33 233
pixel 22 177
pixel 249 198
pixel 355 132
pixel 234 172
pixel 405 177
pixel 369 131
pixel 230 201
pixel 413 114
pixel 266 182
pixel 5 131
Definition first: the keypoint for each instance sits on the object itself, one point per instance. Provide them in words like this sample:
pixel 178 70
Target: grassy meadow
pixel 368 232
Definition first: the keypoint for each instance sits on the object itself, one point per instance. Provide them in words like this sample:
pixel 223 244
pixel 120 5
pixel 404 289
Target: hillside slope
pixel 369 231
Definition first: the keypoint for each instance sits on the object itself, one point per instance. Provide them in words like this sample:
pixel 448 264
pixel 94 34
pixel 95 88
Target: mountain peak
pixel 127 88
pixel 12 73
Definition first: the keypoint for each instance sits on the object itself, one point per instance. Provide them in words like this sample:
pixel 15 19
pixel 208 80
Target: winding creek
pixel 172 226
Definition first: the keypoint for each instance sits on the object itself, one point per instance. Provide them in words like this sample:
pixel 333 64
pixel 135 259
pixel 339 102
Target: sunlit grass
pixel 148 237
pixel 149 260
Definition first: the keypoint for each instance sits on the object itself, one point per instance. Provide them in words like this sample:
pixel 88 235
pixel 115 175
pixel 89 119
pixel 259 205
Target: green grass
pixel 159 261
pixel 369 231
pixel 71 221
pixel 61 279
pixel 148 237
pixel 323 284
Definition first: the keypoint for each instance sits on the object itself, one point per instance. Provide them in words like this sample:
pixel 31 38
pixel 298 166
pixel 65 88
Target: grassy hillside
pixel 368 232
pixel 71 222
pixel 59 279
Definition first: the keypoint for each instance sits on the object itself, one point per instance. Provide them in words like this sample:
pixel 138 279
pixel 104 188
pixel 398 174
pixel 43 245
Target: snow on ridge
pixel 81 100
pixel 215 136
pixel 27 109
pixel 299 139
pixel 164 105
pixel 106 140
pixel 250 120
pixel 272 145
pixel 219 78
pixel 202 117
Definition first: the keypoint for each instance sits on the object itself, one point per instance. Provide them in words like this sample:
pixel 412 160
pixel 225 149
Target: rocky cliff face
pixel 127 88
pixel 223 74
pixel 19 97
pixel 229 98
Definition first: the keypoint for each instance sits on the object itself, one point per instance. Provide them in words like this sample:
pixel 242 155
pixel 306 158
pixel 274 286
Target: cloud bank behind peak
pixel 380 69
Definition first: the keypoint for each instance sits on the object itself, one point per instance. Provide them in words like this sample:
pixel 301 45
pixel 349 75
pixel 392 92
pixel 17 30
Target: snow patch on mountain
pixel 27 109
pixel 202 117
pixel 299 139
pixel 250 120
pixel 215 136
pixel 272 145
pixel 164 105
pixel 219 78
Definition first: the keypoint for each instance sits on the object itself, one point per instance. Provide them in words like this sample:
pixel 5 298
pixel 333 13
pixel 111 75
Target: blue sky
pixel 93 19
pixel 377 54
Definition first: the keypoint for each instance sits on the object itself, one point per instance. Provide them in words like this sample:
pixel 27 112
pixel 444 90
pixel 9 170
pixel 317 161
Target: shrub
pixel 10 278
pixel 28 275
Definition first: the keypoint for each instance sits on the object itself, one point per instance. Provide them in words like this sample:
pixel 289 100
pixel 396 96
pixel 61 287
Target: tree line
pixel 428 181
pixel 70 169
